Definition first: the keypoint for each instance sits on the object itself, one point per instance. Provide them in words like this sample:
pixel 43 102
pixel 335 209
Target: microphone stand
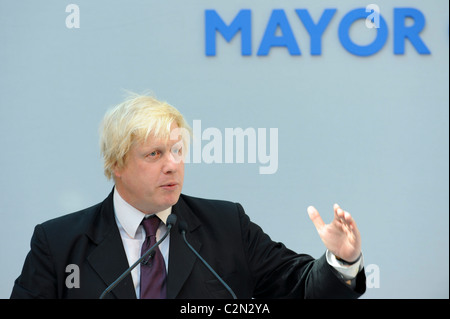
pixel 170 222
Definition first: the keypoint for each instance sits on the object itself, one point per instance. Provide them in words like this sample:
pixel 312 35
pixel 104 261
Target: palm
pixel 341 236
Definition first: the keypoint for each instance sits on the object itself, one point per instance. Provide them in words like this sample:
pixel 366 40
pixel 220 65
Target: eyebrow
pixel 161 145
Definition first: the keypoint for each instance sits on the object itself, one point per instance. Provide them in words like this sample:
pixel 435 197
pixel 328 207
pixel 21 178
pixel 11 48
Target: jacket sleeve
pixel 37 280
pixel 278 272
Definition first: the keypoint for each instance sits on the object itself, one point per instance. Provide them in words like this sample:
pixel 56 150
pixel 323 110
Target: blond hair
pixel 134 121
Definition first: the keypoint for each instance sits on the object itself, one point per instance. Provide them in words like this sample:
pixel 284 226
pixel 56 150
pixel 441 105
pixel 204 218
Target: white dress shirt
pixel 129 220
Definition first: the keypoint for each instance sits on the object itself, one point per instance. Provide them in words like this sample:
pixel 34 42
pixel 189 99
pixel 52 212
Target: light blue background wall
pixel 370 133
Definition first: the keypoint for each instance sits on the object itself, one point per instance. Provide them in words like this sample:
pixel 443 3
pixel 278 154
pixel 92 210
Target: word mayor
pixel 279 31
pixel 234 308
pixel 234 146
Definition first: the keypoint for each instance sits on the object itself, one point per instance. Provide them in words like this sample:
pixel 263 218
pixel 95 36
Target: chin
pixel 171 200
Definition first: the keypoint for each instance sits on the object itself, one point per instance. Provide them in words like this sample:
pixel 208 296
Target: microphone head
pixel 171 220
pixel 182 226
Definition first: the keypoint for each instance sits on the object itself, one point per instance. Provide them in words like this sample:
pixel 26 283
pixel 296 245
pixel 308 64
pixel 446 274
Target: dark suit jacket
pixel 245 257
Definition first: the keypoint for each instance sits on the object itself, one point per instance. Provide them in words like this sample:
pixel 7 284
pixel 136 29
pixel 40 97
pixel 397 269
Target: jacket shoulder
pixel 213 213
pixel 209 204
pixel 76 220
pixel 94 221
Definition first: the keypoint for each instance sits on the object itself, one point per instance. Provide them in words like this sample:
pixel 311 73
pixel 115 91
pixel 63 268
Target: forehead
pixel 154 132
pixel 158 141
pixel 155 142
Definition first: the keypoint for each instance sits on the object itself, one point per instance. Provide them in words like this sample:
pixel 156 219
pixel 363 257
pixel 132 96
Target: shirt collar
pixel 130 218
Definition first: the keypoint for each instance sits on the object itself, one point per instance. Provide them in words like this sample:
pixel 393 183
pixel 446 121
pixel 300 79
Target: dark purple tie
pixel 153 269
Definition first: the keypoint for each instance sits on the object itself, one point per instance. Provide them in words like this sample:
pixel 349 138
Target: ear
pixel 117 171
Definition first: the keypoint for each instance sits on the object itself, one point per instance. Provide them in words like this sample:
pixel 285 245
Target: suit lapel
pixel 181 258
pixel 108 258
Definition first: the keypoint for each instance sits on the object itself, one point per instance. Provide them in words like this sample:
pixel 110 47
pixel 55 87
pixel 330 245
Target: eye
pixel 177 149
pixel 153 155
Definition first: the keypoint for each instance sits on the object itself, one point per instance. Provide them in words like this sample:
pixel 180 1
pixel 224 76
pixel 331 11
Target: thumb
pixel 315 217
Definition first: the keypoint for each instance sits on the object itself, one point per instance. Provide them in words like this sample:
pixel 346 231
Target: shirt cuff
pixel 348 272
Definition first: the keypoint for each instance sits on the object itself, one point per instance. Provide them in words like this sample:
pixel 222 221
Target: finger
pixel 347 217
pixel 349 220
pixel 315 217
pixel 335 207
pixel 338 211
pixel 344 216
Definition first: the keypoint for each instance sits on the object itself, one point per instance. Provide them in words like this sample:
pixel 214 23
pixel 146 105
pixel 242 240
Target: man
pixel 143 142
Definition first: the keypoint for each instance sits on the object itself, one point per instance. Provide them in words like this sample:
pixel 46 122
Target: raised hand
pixel 341 236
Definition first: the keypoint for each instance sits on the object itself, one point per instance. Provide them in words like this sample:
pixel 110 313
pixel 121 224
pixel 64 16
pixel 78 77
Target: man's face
pixel 152 177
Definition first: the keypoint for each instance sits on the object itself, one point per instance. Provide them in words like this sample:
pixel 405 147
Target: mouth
pixel 169 186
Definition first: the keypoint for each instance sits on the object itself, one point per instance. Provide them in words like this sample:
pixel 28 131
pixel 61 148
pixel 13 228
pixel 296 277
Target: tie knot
pixel 150 225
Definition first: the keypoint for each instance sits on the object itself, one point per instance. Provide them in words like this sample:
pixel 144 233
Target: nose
pixel 171 163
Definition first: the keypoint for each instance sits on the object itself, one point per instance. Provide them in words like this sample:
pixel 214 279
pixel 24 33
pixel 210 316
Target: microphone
pixel 171 220
pixel 146 261
pixel 183 227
